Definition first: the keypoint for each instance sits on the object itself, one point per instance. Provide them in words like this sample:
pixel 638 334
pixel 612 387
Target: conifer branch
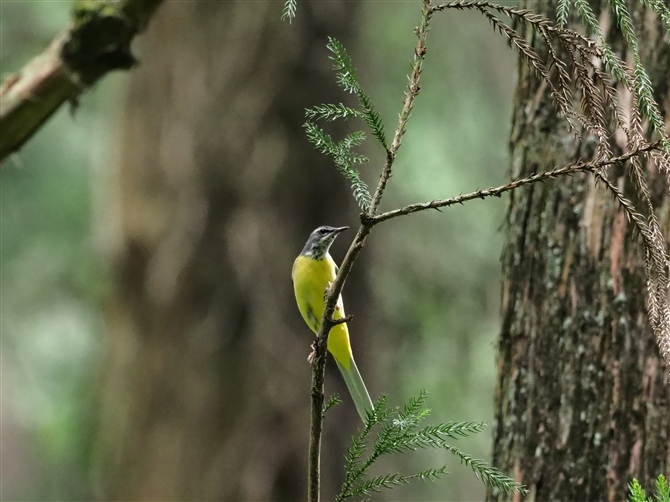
pixel 290 8
pixel 578 74
pixel 662 489
pixel 398 432
pixel 562 11
pixel 661 9
pixel 331 112
pixel 333 401
pixel 341 151
pixel 636 80
pixel 319 363
pixel 348 80
pixel 580 70
pixel 342 65
pixel 637 493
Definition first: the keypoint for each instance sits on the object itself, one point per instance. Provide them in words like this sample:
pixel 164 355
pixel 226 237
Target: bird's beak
pixel 341 229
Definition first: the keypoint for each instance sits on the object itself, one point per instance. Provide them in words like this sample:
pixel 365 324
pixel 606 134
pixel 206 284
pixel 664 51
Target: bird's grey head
pixel 320 240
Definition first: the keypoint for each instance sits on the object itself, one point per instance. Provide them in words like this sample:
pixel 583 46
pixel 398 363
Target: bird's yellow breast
pixel 310 279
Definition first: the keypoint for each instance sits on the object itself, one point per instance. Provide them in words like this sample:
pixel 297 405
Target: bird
pixel 314 271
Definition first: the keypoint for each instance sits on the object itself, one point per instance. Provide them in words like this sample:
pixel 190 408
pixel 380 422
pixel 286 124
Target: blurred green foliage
pixel 436 276
pixel 53 281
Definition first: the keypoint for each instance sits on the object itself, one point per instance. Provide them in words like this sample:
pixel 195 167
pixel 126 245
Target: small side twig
pixel 319 364
pixel 498 191
pixel 342 320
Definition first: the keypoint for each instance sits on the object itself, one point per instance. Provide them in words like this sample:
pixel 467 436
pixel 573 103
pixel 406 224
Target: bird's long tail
pixel 359 393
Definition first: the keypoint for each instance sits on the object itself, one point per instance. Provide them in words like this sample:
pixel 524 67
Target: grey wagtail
pixel 313 272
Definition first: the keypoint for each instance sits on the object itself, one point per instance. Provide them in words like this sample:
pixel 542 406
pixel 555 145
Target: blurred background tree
pixel 218 188
pixel 151 345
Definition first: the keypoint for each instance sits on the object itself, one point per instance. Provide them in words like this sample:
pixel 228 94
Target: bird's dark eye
pixel 323 231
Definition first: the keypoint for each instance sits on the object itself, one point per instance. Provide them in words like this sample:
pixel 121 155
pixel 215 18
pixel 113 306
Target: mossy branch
pixel 95 42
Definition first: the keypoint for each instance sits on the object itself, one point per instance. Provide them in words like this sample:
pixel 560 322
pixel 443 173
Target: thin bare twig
pixel 319 364
pixel 498 191
pixel 411 93
pixel 342 320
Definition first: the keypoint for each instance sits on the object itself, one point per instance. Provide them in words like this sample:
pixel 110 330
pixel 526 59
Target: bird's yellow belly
pixel 310 280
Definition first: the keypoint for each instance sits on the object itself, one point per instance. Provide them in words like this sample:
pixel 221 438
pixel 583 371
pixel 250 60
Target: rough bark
pixel 582 403
pixel 206 390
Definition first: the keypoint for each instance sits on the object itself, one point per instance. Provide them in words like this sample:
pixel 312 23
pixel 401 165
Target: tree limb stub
pixel 95 42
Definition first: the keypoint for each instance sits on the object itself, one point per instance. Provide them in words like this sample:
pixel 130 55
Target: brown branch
pixel 342 320
pixel 498 191
pixel 319 364
pixel 95 42
pixel 411 93
pixel 367 222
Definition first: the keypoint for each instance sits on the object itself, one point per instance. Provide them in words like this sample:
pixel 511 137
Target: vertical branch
pixel 319 363
pixel 411 93
pixel 367 222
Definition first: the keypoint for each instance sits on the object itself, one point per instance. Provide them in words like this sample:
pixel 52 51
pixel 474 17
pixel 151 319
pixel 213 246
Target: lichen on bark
pixel 582 405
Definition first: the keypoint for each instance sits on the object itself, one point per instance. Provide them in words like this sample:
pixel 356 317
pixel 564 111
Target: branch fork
pixel 368 220
pixel 371 217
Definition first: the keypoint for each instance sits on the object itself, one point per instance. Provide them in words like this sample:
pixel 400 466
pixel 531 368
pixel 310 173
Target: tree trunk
pixel 582 400
pixel 206 389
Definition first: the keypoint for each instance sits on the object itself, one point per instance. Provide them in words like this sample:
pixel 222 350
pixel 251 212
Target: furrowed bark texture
pixel 582 405
pixel 206 391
